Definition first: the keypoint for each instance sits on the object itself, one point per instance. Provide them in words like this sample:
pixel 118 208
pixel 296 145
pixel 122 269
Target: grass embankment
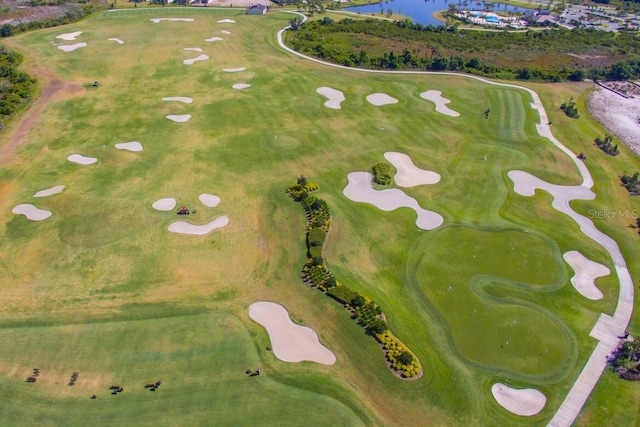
pixel 103 269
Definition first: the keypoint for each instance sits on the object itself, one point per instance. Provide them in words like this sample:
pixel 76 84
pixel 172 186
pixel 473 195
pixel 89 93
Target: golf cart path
pixel 608 328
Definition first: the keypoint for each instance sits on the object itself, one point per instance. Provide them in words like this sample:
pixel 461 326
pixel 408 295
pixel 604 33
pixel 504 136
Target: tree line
pixel 549 55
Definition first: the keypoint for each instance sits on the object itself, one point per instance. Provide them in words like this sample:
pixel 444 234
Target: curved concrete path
pixel 607 328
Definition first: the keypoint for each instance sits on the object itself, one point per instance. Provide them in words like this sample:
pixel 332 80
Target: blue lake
pixel 421 11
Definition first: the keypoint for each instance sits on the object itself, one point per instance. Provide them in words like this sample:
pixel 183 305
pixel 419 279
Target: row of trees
pixel 315 273
pixel 16 87
pixel 488 53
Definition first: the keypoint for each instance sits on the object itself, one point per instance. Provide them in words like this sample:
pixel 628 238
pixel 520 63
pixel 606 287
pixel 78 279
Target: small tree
pixel 377 326
pixel 405 358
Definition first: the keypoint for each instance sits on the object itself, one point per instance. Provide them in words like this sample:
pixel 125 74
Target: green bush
pixel 316 237
pixel 382 173
pixel 342 294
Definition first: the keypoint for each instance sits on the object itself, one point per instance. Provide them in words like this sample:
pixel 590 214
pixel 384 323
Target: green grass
pixel 102 288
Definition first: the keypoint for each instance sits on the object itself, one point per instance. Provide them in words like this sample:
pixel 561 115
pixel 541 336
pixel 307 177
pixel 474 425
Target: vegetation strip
pixel 402 362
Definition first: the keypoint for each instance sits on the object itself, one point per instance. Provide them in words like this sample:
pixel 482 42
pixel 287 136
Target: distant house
pixel 257 9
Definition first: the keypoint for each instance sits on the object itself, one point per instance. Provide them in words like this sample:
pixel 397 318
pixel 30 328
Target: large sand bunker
pixel 525 402
pixel 82 160
pixel 179 118
pixel 157 20
pixel 184 99
pixel 71 47
pixel 435 96
pixel 233 70
pixel 209 200
pixel 191 61
pixel 213 39
pixel 129 146
pixel 380 99
pixel 117 40
pixel 290 342
pixel 49 191
pixel 409 175
pixel 165 204
pixel 31 212
pixel 334 95
pixel 69 36
pixel 359 189
pixel 182 227
pixel 241 86
pixel 587 272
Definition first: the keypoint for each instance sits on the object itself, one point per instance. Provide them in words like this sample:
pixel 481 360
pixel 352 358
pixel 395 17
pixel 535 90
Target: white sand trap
pixel 526 184
pixel 69 36
pixel 80 159
pixel 587 272
pixel 525 402
pixel 71 47
pixel 290 342
pixel 113 39
pixel 182 227
pixel 409 175
pixel 129 146
pixel 196 59
pixel 380 99
pixel 31 212
pixel 192 49
pixel 233 70
pixel 334 95
pixel 225 32
pixel 226 21
pixel 157 20
pixel 49 191
pixel 179 118
pixel 241 86
pixel 213 39
pixel 435 96
pixel 209 200
pixel 359 189
pixel 184 99
pixel 166 204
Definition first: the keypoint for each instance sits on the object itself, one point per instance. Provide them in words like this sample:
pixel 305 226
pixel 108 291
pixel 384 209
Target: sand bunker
pixel 184 99
pixel 225 32
pixel 380 99
pixel 197 58
pixel 435 96
pixel 69 36
pixel 166 204
pixel 213 39
pixel 192 49
pixel 226 21
pixel 334 95
pixel 359 189
pixel 587 272
pixel 179 118
pixel 71 47
pixel 525 402
pixel 31 212
pixel 290 342
pixel 241 86
pixel 113 39
pixel 80 159
pixel 233 70
pixel 157 20
pixel 49 191
pixel 182 227
pixel 130 146
pixel 409 175
pixel 209 200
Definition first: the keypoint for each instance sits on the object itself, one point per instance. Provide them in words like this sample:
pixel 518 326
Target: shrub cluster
pixel 626 361
pixel 316 274
pixel 606 145
pixel 631 183
pixel 382 173
pixel 398 355
pixel 16 87
pixel 570 109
